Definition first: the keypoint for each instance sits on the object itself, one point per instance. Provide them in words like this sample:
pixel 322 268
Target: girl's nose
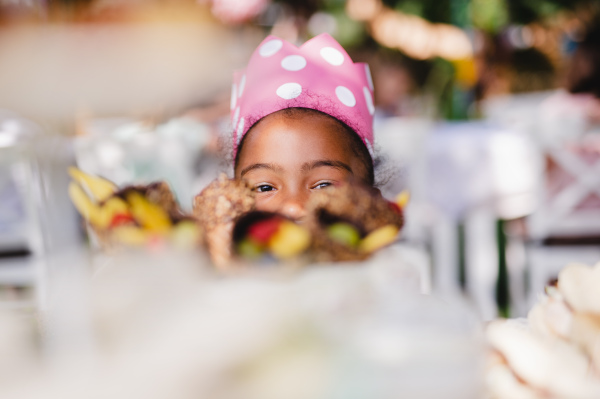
pixel 293 207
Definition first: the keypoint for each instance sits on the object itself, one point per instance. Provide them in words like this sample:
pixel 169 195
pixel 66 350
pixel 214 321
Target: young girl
pixel 303 121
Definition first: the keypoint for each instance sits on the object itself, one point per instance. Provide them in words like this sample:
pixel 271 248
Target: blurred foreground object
pixel 555 353
pixel 351 222
pixel 55 71
pixel 344 223
pixel 216 208
pixel 155 327
pixel 132 216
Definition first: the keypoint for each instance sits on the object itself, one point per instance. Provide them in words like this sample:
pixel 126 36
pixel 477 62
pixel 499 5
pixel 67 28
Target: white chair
pixel 555 125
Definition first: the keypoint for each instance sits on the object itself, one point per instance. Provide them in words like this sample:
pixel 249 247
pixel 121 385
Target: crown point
pixel 369 77
pixel 369 100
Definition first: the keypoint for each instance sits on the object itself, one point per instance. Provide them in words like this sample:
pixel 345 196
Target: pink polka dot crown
pixel 319 75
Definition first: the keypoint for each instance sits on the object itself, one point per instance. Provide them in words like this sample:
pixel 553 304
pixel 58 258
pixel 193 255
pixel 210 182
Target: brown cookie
pixel 217 208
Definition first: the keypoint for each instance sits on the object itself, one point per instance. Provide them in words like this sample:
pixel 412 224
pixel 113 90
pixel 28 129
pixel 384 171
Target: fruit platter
pixel 346 223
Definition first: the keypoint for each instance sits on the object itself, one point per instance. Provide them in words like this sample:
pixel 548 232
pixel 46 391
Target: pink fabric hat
pixel 318 75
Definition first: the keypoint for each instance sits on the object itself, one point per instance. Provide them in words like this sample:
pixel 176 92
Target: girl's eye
pixel 263 188
pixel 322 185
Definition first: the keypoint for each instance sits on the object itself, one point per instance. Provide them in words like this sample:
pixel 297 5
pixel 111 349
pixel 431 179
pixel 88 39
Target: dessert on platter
pixel 555 353
pixel 351 222
pixel 135 216
pixel 345 223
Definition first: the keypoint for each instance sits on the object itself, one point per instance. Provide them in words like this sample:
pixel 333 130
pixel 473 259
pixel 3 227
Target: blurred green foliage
pixel 489 15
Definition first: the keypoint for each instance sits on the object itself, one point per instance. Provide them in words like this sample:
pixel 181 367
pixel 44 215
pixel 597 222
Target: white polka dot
pixel 345 96
pixel 369 100
pixel 242 85
pixel 287 91
pixel 333 56
pixel 269 48
pixel 240 130
pixel 236 115
pixel 233 96
pixel 293 62
pixel 369 77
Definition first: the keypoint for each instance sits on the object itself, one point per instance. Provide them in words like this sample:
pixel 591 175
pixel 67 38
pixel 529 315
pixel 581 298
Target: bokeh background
pixel 487 111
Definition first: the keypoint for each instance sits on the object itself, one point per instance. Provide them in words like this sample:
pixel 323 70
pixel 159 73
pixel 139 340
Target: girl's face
pixel 285 159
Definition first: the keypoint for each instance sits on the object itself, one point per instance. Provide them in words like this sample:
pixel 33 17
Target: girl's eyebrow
pixel 255 166
pixel 326 162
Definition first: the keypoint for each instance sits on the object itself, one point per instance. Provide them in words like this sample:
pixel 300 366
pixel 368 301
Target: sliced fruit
pixel 249 249
pixel 147 214
pixel 131 235
pixel 379 238
pixel 98 187
pixel 289 240
pixel 344 233
pixel 263 230
pixel 395 207
pixel 116 205
pixel 111 208
pixel 85 206
pixel 186 235
pixel 120 219
pixel 403 198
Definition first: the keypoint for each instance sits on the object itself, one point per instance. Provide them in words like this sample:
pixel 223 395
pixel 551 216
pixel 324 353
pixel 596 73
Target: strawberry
pixel 395 207
pixel 120 219
pixel 262 231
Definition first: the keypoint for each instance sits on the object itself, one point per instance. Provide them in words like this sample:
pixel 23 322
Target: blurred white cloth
pixel 162 326
pixel 474 164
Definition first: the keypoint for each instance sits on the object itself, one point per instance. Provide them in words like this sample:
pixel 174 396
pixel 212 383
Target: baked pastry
pixel 350 222
pixel 555 353
pixel 217 208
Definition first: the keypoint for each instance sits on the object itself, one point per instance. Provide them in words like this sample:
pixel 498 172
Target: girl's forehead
pixel 296 135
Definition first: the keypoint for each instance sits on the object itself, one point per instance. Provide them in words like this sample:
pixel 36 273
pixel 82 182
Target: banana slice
pixel 98 187
pixel 86 207
pixel 150 216
pixel 111 207
pixel 131 235
pixel 403 198
pixel 379 238
pixel 289 241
